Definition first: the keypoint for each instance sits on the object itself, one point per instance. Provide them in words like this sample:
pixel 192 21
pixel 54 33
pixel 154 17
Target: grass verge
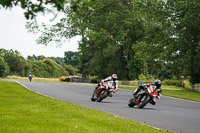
pixel 24 111
pixel 34 79
pixel 179 92
pixel 172 91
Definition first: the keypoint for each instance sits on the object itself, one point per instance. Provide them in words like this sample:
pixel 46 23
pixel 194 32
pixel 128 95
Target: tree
pixel 15 61
pixel 129 38
pixel 70 69
pixel 108 31
pixel 72 58
pixel 32 58
pixel 112 28
pixel 32 8
pixel 58 60
pixel 172 39
pixel 4 71
pixel 186 45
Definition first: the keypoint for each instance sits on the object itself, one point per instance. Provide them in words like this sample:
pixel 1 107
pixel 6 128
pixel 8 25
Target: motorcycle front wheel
pixel 93 99
pixel 102 95
pixel 146 99
pixel 131 102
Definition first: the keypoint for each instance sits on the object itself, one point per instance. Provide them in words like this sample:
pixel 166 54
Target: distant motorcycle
pixel 147 95
pixel 102 93
pixel 30 77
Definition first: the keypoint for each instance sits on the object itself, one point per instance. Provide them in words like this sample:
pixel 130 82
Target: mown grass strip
pixel 24 111
pixel 179 92
pixel 34 79
pixel 172 91
pixel 128 87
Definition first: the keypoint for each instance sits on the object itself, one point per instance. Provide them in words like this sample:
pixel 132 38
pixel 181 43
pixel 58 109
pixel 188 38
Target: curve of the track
pixel 169 114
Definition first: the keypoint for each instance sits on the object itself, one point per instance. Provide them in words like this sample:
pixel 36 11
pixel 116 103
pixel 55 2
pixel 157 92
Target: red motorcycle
pixel 147 94
pixel 101 93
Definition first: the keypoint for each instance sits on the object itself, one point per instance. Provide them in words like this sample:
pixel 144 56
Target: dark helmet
pixel 114 76
pixel 158 83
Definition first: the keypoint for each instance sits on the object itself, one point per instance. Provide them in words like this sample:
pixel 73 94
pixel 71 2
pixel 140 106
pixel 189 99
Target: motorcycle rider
pixel 109 82
pixel 156 85
pixel 30 76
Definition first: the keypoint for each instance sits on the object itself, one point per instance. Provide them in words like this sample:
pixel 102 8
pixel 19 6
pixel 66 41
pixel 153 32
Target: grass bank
pixel 179 92
pixel 172 91
pixel 24 111
pixel 34 79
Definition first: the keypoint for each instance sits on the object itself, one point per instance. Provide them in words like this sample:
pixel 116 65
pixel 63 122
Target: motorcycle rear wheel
pixel 145 101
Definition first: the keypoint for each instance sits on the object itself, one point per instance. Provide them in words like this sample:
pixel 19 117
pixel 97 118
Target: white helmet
pixel 114 76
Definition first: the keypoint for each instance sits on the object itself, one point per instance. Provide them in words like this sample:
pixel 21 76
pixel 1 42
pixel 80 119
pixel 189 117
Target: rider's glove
pixel 115 90
pixel 102 86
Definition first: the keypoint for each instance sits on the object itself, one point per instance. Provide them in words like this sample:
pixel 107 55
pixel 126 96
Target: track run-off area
pixel 176 115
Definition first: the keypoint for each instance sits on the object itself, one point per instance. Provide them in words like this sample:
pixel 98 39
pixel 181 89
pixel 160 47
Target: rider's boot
pixel 135 93
pixel 152 102
pixel 111 94
pixel 159 95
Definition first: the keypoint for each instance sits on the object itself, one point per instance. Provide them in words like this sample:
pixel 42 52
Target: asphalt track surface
pixel 180 116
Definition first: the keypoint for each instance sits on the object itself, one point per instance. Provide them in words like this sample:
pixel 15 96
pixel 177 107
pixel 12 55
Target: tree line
pixel 152 38
pixel 12 63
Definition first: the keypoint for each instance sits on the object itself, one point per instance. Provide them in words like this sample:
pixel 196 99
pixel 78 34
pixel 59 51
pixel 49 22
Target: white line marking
pixel 180 99
pixel 34 91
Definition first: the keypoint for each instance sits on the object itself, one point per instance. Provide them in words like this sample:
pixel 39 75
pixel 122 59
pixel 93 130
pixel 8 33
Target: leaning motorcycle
pixel 101 93
pixel 146 95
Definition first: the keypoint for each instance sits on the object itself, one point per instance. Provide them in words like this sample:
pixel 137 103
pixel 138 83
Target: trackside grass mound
pixel 23 111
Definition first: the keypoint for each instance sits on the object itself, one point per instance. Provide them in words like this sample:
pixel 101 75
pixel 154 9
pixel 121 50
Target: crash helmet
pixel 158 83
pixel 114 76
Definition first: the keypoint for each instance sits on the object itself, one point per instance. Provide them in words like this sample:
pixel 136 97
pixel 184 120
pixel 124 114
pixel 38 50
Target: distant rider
pixel 108 83
pixel 30 76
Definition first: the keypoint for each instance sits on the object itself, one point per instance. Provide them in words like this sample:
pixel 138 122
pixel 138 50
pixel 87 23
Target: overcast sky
pixel 14 35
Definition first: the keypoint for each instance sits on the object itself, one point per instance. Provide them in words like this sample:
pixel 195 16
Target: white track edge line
pixel 181 99
pixel 34 91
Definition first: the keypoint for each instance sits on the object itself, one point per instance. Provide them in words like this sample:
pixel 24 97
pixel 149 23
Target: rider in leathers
pixel 156 85
pixel 109 82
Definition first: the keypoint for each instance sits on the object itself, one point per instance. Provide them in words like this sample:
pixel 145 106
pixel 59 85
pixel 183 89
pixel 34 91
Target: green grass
pixel 34 79
pixel 172 91
pixel 128 87
pixel 179 92
pixel 23 111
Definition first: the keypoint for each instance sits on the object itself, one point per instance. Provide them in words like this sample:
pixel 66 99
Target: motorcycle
pixel 30 77
pixel 102 93
pixel 146 95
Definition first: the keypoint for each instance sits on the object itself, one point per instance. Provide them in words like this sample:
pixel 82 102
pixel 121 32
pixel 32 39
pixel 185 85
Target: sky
pixel 14 35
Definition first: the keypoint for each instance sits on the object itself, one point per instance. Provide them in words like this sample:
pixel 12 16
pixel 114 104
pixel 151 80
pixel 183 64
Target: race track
pixel 176 115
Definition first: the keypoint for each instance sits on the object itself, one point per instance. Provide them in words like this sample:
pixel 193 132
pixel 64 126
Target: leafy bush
pixel 173 82
pixel 48 68
pixel 142 77
pixel 17 63
pixel 150 77
pixel 186 85
pixel 4 68
pixel 72 70
pixel 133 83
